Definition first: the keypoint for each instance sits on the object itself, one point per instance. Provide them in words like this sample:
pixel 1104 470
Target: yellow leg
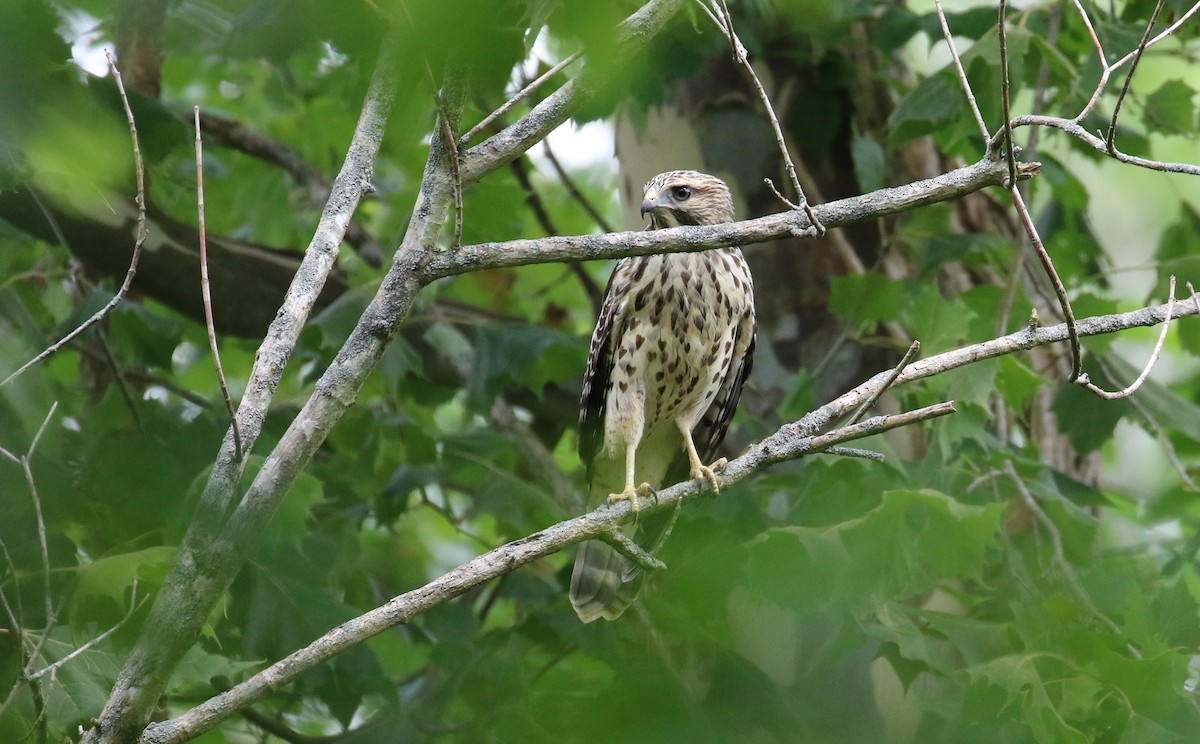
pixel 698 469
pixel 631 492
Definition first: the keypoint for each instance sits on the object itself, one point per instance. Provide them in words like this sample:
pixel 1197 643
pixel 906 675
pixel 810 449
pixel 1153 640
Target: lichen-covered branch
pixel 874 205
pixel 200 574
pixel 788 443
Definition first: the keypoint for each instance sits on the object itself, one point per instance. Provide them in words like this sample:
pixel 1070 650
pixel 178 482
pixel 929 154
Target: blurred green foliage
pixel 838 600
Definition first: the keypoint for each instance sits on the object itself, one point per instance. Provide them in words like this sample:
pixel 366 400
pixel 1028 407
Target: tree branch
pixel 871 206
pixel 600 524
pixel 204 566
pixel 790 442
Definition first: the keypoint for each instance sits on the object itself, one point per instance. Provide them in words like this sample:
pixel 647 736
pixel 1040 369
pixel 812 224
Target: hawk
pixel 670 353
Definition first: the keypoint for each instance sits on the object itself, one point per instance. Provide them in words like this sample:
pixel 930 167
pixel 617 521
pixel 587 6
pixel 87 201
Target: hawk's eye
pixel 681 193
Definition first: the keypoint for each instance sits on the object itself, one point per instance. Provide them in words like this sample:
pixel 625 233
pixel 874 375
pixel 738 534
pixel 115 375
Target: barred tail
pixel 604 582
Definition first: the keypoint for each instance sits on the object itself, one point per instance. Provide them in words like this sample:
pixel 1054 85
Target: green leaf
pixel 894 28
pixel 915 538
pixel 936 322
pixel 1086 419
pixel 112 577
pixel 1170 108
pixel 870 162
pixel 865 297
pixel 936 101
pixel 507 354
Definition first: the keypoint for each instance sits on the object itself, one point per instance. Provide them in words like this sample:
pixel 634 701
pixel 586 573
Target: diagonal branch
pixel 494 563
pixel 201 570
pixel 789 442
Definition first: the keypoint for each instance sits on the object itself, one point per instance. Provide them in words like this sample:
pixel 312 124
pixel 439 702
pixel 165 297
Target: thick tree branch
pixel 870 206
pixel 505 559
pixel 204 566
pixel 788 443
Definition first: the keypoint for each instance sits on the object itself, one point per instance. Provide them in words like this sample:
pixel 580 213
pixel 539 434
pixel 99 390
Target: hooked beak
pixel 649 203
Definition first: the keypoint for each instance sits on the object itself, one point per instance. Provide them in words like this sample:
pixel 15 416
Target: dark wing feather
pixel 597 380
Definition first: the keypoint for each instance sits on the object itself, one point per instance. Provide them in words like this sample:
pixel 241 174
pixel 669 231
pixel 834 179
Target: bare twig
pixel 962 74
pixel 1108 69
pixel 521 95
pixel 625 545
pixel 866 405
pixel 25 463
pixel 1087 22
pixel 207 295
pixel 1076 130
pixel 455 168
pixel 856 452
pixel 1010 149
pixel 724 20
pixel 137 244
pixel 574 191
pixel 134 606
pixel 1133 386
pixel 1137 56
pixel 1048 265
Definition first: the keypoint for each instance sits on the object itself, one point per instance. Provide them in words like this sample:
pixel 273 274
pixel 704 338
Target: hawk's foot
pixel 707 473
pixel 632 494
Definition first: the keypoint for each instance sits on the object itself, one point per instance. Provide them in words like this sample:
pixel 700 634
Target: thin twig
pixel 625 545
pixel 455 170
pixel 24 461
pixel 573 190
pixel 1059 290
pixel 520 96
pixel 1087 22
pixel 1075 129
pixel 962 74
pixel 721 16
pixel 137 245
pixel 1010 150
pixel 1108 69
pixel 913 349
pixel 856 452
pixel 206 294
pixel 1133 386
pixel 537 205
pixel 134 606
pixel 1137 57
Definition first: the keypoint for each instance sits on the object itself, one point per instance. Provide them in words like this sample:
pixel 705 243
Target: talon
pixel 703 472
pixel 632 494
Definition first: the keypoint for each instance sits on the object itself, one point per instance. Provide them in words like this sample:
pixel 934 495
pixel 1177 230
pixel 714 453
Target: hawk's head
pixel 686 198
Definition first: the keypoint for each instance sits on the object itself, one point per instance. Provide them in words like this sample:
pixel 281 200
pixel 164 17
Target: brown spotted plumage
pixel 670 353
